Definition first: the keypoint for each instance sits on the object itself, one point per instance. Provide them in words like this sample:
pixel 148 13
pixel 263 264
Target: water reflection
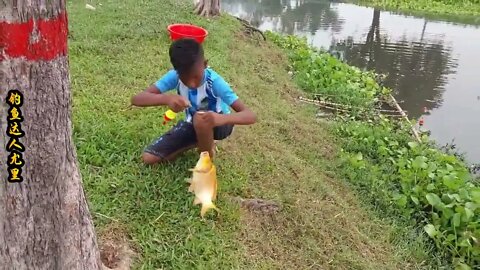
pixel 287 16
pixel 417 69
pixel 430 64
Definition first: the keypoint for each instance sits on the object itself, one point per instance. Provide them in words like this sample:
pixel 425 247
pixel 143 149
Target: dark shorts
pixel 182 136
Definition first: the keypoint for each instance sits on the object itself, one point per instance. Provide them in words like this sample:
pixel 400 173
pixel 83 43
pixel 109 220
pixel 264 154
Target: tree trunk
pixel 44 220
pixel 208 8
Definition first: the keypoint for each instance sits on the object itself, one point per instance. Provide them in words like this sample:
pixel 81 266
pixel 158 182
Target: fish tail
pixel 208 206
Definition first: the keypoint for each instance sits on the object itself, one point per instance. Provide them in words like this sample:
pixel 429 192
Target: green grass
pixel 468 8
pixel 121 48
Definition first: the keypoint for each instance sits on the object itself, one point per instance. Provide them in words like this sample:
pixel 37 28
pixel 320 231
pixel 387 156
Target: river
pixel 433 64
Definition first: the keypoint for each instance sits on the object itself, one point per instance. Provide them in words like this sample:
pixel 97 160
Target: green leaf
pixel 476 194
pixel 417 189
pixel 456 219
pixel 430 230
pixel 450 205
pixel 400 199
pixel 449 167
pixel 359 156
pixel 464 194
pixel 462 266
pixel 433 199
pixel 431 187
pixel 472 206
pixel 432 166
pixel 450 182
pixel 447 213
pixel 420 162
pixel 465 243
pixel 469 213
pixel 413 145
pixel 415 200
pixel 451 237
pixel 457 197
pixel 447 198
pixel 435 217
pixel 451 198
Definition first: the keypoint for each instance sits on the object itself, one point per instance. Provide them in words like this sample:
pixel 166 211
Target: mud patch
pixel 116 250
pixel 259 205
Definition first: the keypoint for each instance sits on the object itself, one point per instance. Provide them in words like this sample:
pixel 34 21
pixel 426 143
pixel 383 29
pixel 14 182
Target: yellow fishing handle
pixel 170 114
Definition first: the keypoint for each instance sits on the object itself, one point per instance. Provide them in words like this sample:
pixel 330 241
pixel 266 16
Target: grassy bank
pixel 441 7
pixel 412 181
pixel 121 48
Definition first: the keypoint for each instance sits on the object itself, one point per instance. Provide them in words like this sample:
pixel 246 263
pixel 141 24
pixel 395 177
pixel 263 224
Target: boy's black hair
pixel 184 54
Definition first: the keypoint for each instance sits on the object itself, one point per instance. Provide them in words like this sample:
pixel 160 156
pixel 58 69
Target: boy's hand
pixel 178 103
pixel 211 119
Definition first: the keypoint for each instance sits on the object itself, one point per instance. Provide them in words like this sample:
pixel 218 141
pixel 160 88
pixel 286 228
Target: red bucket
pixel 178 31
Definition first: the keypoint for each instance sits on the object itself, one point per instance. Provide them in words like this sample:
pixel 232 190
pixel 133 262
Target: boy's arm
pixel 242 115
pixel 150 97
pixel 154 94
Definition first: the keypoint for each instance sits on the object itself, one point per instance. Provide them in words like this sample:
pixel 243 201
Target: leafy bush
pixel 320 73
pixel 453 2
pixel 405 178
pixel 419 182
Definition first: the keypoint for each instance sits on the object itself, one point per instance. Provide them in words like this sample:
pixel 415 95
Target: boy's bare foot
pixel 151 159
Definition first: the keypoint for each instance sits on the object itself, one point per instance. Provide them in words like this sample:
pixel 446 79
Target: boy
pixel 205 97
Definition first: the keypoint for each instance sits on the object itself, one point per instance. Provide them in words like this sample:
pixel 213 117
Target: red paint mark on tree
pixel 44 39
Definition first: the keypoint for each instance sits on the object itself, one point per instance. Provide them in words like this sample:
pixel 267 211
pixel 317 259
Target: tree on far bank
pixel 208 8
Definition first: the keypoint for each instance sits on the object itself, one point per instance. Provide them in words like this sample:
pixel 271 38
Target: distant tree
pixel 208 8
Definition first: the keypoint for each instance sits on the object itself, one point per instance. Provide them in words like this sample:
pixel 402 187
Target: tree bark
pixel 208 8
pixel 44 221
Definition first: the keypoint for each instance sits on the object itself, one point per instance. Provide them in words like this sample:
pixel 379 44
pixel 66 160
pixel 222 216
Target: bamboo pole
pixel 414 131
pixel 314 102
pixel 347 106
pixel 326 106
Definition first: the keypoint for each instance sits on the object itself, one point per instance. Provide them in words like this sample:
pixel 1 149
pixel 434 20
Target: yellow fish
pixel 204 183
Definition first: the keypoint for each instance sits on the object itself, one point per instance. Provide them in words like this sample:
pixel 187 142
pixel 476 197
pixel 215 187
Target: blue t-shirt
pixel 222 94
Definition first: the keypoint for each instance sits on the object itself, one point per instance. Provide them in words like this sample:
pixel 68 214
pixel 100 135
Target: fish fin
pixel 198 170
pixel 214 197
pixel 196 201
pixel 215 182
pixel 206 207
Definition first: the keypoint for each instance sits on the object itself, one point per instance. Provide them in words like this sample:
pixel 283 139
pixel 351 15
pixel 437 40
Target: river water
pixel 433 64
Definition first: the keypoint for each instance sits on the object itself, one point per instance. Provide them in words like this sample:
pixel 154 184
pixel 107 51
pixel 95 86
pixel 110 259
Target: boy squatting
pixel 204 96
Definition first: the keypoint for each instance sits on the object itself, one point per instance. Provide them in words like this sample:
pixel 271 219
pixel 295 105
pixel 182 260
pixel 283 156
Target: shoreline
pixel 383 161
pixel 426 7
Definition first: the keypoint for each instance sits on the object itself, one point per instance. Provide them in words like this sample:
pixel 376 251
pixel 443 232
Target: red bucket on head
pixel 178 31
